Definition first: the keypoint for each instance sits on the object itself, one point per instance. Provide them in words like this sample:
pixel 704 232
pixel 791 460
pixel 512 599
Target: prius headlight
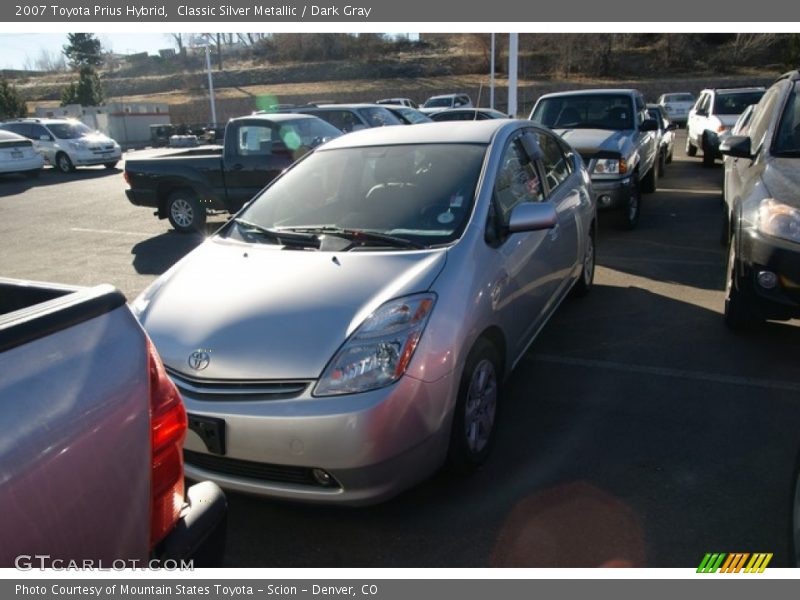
pixel 779 220
pixel 379 351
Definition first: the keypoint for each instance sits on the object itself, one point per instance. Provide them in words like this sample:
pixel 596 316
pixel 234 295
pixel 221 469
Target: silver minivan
pixel 349 330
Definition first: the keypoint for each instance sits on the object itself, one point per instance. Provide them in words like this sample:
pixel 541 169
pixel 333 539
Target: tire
pixel 586 279
pixel 739 314
pixel 650 181
pixel 184 212
pixel 64 163
pixel 709 156
pixel 670 157
pixel 475 415
pixel 110 165
pixel 691 149
pixel 662 163
pixel 630 212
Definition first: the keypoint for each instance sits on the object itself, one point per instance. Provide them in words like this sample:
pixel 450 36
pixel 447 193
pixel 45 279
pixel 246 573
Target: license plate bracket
pixel 211 430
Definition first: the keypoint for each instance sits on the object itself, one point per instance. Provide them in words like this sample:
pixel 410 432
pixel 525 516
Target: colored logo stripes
pixel 735 562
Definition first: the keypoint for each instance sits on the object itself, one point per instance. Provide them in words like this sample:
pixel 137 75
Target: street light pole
pixel 211 86
pixel 491 78
pixel 512 74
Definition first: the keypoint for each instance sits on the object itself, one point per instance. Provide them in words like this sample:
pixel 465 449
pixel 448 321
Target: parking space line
pixel 113 231
pixel 769 384
pixel 716 192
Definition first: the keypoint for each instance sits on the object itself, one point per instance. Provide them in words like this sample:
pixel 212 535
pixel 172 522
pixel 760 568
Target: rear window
pixel 679 98
pixel 734 103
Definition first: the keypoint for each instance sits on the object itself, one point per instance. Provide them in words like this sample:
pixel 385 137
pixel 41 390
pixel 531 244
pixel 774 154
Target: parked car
pixel 437 103
pixel 677 106
pixel 741 127
pixel 184 186
pixel 17 155
pixel 409 116
pixel 398 102
pixel 762 191
pixel 666 135
pixel 618 143
pixel 92 427
pixel 467 114
pixel 351 117
pixel 712 116
pixel 67 143
pixel 375 297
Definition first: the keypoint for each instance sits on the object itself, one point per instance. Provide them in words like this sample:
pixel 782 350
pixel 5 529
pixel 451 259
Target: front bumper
pixel 373 445
pixel 758 253
pixel 142 197
pixel 612 193
pixel 89 158
pixel 200 533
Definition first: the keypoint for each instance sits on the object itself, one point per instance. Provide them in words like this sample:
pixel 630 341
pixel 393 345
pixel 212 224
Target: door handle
pixel 237 167
pixel 554 232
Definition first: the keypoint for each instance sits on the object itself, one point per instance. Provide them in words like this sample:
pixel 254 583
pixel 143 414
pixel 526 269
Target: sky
pixel 15 48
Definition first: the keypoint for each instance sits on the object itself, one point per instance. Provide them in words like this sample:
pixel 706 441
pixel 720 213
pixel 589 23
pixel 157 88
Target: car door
pixel 521 287
pixel 564 189
pixel 253 157
pixel 44 142
pixel 697 119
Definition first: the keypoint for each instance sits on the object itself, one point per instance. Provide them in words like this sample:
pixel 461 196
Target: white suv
pixel 677 106
pixel 67 143
pixel 712 117
pixel 445 101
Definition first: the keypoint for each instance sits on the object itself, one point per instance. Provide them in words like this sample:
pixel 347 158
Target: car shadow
pixel 157 254
pixel 618 435
pixel 17 184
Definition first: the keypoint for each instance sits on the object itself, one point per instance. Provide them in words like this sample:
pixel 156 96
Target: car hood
pixel 96 138
pixel 591 141
pixel 263 312
pixel 782 179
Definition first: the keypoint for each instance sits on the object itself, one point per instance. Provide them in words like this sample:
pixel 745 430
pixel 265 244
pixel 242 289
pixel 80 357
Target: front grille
pixel 255 470
pixel 230 389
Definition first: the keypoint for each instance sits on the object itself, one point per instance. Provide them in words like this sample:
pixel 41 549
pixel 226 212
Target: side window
pixel 556 168
pixel 254 140
pixel 341 119
pixel 38 132
pixel 762 115
pixel 516 182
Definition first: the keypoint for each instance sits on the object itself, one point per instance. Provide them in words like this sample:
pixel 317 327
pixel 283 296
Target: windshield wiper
pixel 283 237
pixel 357 235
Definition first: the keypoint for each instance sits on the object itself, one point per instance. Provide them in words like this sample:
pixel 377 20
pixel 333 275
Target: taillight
pixel 126 177
pixel 167 431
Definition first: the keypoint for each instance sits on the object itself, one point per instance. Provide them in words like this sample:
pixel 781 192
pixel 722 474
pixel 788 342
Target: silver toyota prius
pixel 348 332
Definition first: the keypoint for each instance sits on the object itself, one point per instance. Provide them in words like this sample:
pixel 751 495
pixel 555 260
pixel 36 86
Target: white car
pixel 445 101
pixel 67 143
pixel 677 106
pixel 17 155
pixel 712 117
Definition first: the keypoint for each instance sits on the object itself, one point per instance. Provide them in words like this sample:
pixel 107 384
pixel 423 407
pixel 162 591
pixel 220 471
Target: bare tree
pixel 748 43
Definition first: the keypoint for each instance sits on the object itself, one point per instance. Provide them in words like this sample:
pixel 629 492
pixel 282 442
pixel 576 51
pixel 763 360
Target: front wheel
pixel 476 409
pixel 739 314
pixel 184 212
pixel 709 154
pixel 110 165
pixel 64 163
pixel 691 149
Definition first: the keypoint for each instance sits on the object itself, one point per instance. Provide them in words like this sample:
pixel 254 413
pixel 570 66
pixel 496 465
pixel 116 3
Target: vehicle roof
pixel 754 88
pixel 44 120
pixel 354 105
pixel 593 92
pixel 447 95
pixel 449 132
pixel 277 117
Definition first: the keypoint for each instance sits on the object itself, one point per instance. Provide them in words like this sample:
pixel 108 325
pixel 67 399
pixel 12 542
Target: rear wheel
pixel 709 154
pixel 650 181
pixel 110 165
pixel 184 211
pixel 64 163
pixel 662 162
pixel 584 284
pixel 476 409
pixel 691 149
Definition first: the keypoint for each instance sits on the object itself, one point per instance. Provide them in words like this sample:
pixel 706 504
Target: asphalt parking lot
pixel 637 430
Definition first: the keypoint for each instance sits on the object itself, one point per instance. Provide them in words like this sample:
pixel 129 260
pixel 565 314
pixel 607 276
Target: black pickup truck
pixel 184 186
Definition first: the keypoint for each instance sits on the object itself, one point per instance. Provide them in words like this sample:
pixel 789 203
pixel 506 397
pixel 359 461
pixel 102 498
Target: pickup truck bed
pixel 76 395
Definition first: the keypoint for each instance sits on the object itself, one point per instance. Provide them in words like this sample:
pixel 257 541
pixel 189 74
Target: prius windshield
pixel 416 194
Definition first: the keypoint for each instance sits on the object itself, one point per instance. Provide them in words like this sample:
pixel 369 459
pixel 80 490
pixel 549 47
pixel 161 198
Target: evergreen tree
pixel 87 91
pixel 11 104
pixel 83 49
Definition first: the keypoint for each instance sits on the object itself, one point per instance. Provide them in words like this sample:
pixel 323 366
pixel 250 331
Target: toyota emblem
pixel 199 359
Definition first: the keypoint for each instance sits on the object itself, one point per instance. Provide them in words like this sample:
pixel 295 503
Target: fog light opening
pixel 767 279
pixel 322 477
pixel 605 200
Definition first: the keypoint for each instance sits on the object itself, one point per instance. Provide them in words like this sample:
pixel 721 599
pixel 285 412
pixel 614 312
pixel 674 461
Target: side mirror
pixel 532 216
pixel 649 125
pixel 737 146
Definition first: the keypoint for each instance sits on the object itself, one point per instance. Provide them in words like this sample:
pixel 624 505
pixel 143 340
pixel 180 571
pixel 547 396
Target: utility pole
pixel 211 85
pixel 513 42
pixel 491 78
